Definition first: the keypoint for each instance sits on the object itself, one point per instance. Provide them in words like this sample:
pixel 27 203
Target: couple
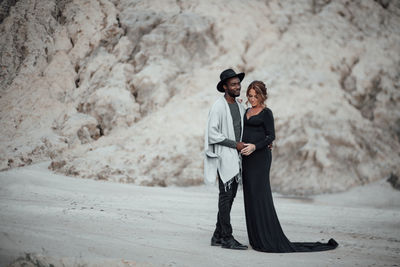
pixel 237 138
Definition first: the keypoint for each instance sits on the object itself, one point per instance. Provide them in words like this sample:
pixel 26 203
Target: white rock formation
pixel 120 90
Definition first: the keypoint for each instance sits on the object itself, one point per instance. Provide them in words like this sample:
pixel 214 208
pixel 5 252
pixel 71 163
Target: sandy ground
pixel 77 222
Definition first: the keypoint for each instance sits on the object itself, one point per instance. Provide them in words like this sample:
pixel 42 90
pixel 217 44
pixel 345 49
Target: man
pixel 222 153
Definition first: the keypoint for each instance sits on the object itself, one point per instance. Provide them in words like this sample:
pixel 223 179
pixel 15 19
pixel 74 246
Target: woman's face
pixel 253 98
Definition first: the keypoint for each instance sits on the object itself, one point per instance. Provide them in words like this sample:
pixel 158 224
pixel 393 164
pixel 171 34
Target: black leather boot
pixel 215 241
pixel 232 243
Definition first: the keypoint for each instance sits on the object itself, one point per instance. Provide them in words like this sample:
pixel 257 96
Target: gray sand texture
pixel 67 221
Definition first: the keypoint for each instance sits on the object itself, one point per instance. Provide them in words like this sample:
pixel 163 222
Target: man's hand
pixel 239 146
pixel 270 146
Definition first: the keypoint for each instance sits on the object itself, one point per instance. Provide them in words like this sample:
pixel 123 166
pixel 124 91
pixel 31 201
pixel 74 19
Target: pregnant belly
pixel 253 136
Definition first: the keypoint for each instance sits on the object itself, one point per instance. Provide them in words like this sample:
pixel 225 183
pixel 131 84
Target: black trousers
pixel 225 200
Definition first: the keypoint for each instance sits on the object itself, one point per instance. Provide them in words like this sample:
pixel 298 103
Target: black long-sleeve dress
pixel 263 227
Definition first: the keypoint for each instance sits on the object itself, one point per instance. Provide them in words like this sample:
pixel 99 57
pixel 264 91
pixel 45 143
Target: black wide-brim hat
pixel 227 74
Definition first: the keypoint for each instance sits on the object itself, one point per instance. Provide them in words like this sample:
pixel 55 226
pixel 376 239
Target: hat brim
pixel 220 86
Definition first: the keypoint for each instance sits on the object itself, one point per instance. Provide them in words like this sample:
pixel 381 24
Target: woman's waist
pixel 253 138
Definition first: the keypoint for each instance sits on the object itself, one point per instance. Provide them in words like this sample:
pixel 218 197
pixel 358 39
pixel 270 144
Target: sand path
pixel 70 221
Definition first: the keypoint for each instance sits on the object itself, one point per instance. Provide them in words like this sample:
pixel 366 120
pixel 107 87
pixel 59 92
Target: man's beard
pixel 232 94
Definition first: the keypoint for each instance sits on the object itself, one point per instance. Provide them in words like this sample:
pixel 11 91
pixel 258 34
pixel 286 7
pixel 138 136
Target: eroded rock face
pixel 120 90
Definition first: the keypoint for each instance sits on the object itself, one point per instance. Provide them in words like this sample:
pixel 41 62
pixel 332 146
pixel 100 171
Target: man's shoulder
pixel 218 104
pixel 241 106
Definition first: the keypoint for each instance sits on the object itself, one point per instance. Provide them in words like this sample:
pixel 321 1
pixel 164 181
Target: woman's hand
pixel 248 149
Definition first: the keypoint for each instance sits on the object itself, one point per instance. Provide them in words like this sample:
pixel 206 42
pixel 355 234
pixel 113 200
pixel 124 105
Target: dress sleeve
pixel 269 129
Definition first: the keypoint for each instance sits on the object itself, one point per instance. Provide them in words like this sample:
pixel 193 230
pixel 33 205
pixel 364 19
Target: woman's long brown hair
pixel 261 91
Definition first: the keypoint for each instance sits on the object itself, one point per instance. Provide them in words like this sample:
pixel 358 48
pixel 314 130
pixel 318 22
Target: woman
pixel 263 227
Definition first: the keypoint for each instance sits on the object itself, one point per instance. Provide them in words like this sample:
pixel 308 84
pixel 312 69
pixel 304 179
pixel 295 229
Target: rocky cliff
pixel 120 90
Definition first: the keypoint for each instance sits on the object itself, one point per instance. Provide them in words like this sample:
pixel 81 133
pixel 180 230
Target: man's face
pixel 232 87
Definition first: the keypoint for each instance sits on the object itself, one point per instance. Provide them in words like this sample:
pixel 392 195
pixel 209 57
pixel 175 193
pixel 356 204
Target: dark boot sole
pixel 216 242
pixel 237 248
